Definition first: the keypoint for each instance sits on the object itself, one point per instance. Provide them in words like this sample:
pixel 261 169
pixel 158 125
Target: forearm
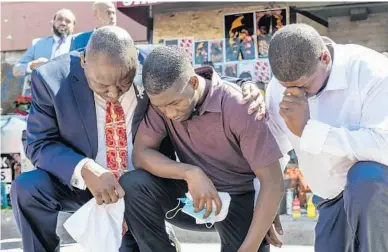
pixel 359 145
pixel 159 165
pixel 55 158
pixel 267 204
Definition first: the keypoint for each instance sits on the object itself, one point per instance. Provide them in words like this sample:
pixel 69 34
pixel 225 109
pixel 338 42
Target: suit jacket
pixel 42 48
pixel 80 40
pixel 62 124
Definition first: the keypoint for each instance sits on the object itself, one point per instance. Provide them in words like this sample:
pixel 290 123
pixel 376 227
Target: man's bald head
pixel 110 62
pixel 65 12
pixel 63 23
pixel 104 13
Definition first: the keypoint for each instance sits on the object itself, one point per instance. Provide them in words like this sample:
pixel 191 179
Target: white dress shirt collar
pixel 56 38
pixel 337 78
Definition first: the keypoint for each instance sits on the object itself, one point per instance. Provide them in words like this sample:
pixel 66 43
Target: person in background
pixel 49 47
pixel 104 13
pixel 221 148
pixel 328 102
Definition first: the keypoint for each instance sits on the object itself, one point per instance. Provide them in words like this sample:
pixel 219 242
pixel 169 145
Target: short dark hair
pixel 294 52
pixel 117 44
pixel 164 66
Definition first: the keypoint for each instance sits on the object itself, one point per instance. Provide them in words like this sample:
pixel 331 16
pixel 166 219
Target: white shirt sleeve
pixel 273 122
pixel 370 141
pixel 76 179
pixel 28 69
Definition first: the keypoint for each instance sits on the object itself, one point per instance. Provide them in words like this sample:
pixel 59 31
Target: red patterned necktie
pixel 116 139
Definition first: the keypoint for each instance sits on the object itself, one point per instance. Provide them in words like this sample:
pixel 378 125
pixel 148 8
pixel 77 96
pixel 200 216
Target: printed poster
pixel 171 42
pixel 216 51
pixel 218 68
pixel 262 71
pixel 10 167
pixel 230 69
pixel 246 70
pixel 201 52
pixel 267 23
pixel 184 43
pixel 187 45
pixel 239 37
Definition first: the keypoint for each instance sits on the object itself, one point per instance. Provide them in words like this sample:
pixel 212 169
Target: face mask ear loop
pixel 172 210
pixel 209 226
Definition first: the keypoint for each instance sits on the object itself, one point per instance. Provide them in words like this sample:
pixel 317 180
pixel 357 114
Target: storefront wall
pixel 372 32
pixel 323 30
pixel 205 25
pixel 201 24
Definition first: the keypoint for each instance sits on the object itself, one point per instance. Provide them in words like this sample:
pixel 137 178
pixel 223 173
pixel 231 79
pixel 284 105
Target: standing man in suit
pixel 104 13
pixel 83 117
pixel 49 47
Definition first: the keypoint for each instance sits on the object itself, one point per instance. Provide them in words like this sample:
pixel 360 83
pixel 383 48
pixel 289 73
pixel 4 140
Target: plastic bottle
pixel 296 208
pixel 311 211
pixel 289 199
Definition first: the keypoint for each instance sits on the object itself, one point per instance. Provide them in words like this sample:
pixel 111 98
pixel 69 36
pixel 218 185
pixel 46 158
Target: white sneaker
pixel 171 235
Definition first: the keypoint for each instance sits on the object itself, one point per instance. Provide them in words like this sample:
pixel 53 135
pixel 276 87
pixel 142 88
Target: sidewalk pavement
pixel 186 247
pixel 296 232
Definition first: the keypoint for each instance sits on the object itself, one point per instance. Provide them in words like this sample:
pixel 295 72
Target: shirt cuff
pixel 314 137
pixel 76 179
pixel 28 69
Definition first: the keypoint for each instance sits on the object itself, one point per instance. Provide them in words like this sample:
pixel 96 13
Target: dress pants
pixel 37 197
pixel 357 219
pixel 148 198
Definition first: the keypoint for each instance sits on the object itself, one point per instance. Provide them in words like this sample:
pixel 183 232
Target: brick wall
pixel 320 28
pixel 372 33
pixel 200 24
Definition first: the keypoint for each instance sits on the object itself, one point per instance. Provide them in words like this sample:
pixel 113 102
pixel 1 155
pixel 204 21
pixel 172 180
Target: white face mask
pixel 189 209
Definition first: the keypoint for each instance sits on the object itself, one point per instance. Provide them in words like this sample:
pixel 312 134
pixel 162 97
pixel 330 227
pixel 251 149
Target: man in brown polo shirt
pixel 220 148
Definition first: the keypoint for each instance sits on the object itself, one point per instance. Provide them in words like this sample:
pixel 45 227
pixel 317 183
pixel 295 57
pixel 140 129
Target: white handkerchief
pixel 97 228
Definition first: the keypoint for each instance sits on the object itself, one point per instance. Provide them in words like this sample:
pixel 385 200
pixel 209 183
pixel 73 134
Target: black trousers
pixel 148 198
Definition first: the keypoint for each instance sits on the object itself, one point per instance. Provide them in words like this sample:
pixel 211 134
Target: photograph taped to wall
pixel 216 48
pixel 201 52
pixel 262 71
pixel 219 68
pixel 246 69
pixel 231 69
pixel 239 37
pixel 267 23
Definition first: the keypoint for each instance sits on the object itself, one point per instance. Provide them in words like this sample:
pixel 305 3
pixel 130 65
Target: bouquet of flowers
pixel 22 105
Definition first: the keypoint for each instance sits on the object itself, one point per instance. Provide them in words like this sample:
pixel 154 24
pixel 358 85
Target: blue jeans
pixel 357 219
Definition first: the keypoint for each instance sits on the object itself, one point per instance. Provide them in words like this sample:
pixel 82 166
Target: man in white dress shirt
pixel 49 47
pixel 329 102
